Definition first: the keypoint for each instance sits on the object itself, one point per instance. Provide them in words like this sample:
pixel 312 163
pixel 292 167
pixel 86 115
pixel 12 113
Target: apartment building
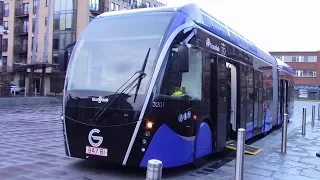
pixel 2 31
pixel 68 20
pixel 307 72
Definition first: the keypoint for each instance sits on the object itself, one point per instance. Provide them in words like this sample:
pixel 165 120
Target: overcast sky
pixel 273 25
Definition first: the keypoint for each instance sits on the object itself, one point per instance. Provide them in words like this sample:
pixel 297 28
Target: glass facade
pixel 64 25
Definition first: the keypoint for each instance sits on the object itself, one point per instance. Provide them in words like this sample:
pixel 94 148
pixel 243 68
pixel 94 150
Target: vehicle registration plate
pixel 96 151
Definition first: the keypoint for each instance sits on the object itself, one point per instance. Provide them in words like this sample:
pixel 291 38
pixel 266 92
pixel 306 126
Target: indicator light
pixel 149 125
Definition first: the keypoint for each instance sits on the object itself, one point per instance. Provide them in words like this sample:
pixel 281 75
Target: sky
pixel 273 25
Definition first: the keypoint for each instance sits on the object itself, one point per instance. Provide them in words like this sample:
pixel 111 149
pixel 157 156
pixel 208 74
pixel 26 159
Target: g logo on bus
pixel 91 137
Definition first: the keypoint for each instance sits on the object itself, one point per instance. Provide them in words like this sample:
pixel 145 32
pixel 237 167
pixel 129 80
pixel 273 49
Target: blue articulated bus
pixel 170 83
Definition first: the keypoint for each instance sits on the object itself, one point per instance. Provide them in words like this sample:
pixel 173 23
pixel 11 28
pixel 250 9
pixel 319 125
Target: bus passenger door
pixel 282 98
pixel 285 97
pixel 219 104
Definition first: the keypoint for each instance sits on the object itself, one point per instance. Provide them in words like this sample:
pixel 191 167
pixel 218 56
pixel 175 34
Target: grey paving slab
pixel 32 149
pixel 300 161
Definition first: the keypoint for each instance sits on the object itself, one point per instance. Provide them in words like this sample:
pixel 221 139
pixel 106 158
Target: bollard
pixel 240 153
pixel 25 92
pixel 154 170
pixel 284 133
pixel 313 115
pixel 319 111
pixel 14 93
pixel 304 120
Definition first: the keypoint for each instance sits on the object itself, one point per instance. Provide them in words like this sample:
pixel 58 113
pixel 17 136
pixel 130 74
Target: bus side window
pixel 189 83
pixel 192 80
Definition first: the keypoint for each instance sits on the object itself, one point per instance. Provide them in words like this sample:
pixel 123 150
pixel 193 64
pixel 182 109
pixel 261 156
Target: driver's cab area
pixel 183 73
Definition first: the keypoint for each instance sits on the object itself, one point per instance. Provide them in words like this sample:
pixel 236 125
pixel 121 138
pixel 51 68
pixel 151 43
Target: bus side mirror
pixel 63 60
pixel 183 58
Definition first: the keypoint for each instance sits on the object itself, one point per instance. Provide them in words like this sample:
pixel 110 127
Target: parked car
pixel 14 88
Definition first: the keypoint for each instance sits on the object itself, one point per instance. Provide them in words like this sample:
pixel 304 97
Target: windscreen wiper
pixel 142 70
pixel 140 77
pixel 103 109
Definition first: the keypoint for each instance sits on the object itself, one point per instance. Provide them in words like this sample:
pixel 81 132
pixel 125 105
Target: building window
pixel 64 21
pixel 25 7
pixel 64 5
pixel 124 8
pixel 32 45
pixel 33 24
pixel 61 39
pixel 4 61
pixel 47 3
pixel 35 4
pixel 6 10
pixel 309 59
pixel 5 25
pixel 300 58
pixel 112 7
pixel 139 3
pixel 1 11
pixel 305 73
pixel 24 44
pixel 117 7
pixel 4 45
pixel 148 4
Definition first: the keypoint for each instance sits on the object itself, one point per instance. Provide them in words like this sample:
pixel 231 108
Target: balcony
pixel 21 30
pixel 22 12
pixel 97 8
pixel 21 48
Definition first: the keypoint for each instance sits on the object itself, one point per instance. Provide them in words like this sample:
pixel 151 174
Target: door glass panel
pixel 250 96
pixel 255 98
pixel 258 100
pixel 223 120
pixel 261 100
pixel 243 96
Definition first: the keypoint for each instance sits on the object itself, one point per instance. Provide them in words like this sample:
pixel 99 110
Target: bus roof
pixel 285 67
pixel 208 22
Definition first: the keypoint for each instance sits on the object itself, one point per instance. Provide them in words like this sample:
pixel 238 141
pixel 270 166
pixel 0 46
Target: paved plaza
pixel 32 148
pixel 299 163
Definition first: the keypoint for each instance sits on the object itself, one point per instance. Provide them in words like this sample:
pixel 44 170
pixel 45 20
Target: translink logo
pixel 211 46
pixel 100 99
